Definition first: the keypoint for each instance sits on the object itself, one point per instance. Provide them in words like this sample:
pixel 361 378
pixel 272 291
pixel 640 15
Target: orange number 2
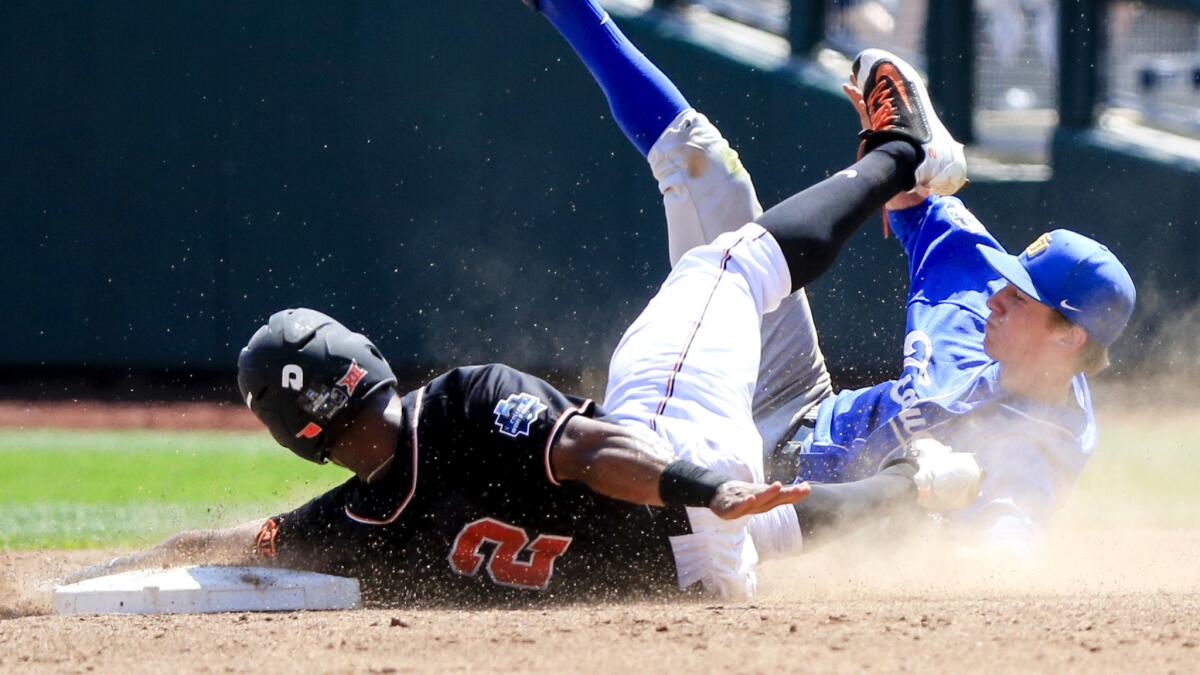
pixel 503 567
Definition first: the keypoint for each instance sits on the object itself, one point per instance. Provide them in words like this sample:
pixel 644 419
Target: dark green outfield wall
pixel 441 175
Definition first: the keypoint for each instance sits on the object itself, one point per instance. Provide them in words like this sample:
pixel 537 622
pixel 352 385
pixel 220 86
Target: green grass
pixel 69 489
pixel 1144 473
pixel 74 489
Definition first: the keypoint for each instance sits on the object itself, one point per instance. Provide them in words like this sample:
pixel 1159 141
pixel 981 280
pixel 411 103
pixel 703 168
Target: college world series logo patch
pixel 515 413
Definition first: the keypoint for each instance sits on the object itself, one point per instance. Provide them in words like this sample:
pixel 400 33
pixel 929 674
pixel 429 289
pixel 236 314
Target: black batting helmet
pixel 304 375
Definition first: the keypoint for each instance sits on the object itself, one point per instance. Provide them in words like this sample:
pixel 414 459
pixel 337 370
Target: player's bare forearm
pixel 616 463
pixel 229 546
pixel 610 460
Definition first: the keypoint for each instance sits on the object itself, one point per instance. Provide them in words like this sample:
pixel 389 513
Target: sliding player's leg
pixel 686 370
pixel 706 192
pixel 692 356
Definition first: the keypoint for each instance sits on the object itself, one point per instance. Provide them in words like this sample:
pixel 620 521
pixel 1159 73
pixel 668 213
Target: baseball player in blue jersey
pixel 996 357
pixel 997 349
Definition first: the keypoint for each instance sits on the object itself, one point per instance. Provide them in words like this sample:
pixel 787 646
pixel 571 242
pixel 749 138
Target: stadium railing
pixel 1007 73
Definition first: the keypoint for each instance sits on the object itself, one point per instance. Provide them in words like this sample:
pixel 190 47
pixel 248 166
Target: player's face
pixel 368 443
pixel 1019 327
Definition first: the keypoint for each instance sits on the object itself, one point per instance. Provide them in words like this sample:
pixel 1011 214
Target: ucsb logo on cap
pixel 1038 245
pixel 515 413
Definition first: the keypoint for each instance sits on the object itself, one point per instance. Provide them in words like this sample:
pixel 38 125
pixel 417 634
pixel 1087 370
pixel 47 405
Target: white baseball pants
pixel 700 363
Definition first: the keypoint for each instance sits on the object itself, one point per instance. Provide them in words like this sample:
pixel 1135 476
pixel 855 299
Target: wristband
pixel 685 484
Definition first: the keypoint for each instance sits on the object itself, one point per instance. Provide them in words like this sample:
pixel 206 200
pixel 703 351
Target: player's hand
pixel 121 563
pixel 735 499
pixel 853 93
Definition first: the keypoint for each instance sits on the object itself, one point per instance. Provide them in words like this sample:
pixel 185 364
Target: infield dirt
pixel 1099 601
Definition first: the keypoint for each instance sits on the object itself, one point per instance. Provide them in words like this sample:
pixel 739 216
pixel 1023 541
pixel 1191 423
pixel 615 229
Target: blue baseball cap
pixel 1075 275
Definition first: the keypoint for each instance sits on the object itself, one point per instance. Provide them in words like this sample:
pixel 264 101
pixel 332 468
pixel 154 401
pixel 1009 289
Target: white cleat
pixel 899 107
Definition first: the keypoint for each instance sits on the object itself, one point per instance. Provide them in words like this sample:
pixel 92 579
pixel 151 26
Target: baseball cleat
pixel 899 107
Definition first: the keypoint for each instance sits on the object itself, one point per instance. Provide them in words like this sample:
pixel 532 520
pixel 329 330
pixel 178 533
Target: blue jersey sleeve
pixel 939 237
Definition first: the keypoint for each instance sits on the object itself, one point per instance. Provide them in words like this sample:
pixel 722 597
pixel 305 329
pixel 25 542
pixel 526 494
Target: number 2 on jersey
pixel 503 566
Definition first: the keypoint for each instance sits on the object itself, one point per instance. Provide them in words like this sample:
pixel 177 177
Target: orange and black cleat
pixel 899 108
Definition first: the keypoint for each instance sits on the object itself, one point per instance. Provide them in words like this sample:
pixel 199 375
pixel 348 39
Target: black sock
pixel 812 226
pixel 834 509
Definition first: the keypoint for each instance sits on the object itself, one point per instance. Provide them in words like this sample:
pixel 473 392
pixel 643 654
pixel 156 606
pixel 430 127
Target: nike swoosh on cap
pixel 1065 305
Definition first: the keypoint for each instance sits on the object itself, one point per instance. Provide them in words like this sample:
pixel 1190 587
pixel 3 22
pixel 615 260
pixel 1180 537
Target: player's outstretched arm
pixel 615 462
pixel 228 546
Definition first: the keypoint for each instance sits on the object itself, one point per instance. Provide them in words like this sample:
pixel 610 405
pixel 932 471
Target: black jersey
pixel 470 507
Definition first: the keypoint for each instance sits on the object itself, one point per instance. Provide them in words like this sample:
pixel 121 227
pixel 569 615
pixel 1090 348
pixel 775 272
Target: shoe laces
pixel 883 109
pixel 880 104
